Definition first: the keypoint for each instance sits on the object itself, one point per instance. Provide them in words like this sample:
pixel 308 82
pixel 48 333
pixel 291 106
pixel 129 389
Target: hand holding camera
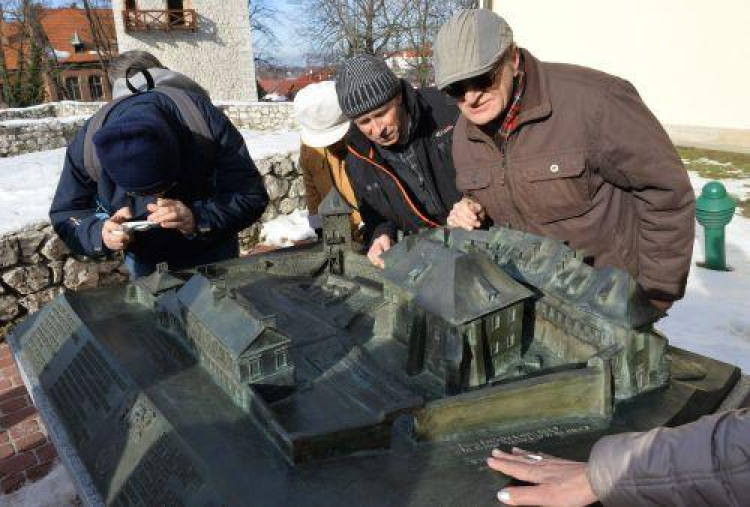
pixel 114 235
pixel 172 214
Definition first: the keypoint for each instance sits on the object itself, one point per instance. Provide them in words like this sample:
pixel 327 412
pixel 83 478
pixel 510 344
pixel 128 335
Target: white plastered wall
pixel 689 59
pixel 218 56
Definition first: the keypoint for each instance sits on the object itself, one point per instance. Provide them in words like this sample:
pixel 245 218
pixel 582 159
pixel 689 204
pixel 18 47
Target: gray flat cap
pixel 469 44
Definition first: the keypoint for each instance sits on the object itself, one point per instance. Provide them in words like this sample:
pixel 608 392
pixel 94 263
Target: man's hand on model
pixel 467 214
pixel 555 482
pixel 172 214
pixel 380 245
pixel 113 235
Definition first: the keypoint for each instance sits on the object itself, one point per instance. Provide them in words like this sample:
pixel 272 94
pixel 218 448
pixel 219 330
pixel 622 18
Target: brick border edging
pixel 26 452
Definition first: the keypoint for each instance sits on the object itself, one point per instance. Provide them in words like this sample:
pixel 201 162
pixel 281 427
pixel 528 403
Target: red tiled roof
pixel 60 25
pixel 289 86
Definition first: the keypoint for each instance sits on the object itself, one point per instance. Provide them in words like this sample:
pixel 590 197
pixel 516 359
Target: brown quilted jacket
pixel 705 463
pixel 588 163
pixel 322 168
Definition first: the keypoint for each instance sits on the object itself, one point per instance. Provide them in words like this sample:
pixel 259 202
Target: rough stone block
pixel 269 214
pixel 55 249
pixel 9 253
pixel 285 167
pixel 8 308
pixel 264 166
pixel 56 267
pixel 29 242
pixel 297 188
pixel 33 302
pixel 287 206
pixel 276 187
pixel 80 275
pixel 27 280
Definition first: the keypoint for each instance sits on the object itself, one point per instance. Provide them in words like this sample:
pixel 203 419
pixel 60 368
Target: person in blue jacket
pixel 198 195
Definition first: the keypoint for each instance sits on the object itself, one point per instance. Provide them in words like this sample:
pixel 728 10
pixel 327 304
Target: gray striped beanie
pixel 364 83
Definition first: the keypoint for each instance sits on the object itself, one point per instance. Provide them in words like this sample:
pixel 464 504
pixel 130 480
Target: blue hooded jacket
pixel 224 191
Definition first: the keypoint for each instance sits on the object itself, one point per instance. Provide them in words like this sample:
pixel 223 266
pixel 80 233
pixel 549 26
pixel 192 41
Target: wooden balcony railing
pixel 165 20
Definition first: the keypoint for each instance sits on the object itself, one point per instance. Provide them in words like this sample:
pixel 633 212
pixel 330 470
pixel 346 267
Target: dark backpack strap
pixel 194 119
pixel 90 159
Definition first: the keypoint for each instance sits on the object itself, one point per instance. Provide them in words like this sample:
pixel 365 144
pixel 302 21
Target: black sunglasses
pixel 480 82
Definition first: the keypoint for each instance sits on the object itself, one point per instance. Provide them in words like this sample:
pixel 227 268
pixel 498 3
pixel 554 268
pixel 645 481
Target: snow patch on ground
pixel 264 144
pixel 284 230
pixel 713 318
pixel 27 185
pixel 54 490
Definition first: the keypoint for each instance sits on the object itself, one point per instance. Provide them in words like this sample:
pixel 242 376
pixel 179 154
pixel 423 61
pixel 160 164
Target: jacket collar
pixel 536 99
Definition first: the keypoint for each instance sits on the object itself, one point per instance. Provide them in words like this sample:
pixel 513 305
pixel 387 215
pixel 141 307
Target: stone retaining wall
pixel 50 126
pixel 27 136
pixel 35 265
pixel 267 116
pixel 50 110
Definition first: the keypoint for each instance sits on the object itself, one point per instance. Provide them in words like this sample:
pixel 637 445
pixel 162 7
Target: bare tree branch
pixel 347 27
pixel 265 41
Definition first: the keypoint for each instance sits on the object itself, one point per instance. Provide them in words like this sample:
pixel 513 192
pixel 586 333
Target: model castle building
pixel 463 314
pixel 226 377
pixel 209 41
pixel 469 309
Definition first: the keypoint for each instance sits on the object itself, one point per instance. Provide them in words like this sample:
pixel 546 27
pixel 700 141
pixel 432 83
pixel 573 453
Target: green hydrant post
pixel 714 209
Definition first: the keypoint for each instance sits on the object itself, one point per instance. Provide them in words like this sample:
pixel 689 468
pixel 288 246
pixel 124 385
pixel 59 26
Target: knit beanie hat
pixel 364 83
pixel 140 153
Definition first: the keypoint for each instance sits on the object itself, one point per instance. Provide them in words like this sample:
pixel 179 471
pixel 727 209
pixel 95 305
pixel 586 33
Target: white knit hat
pixel 317 110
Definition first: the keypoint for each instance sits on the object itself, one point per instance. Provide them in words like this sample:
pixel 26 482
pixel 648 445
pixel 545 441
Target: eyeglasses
pixel 480 82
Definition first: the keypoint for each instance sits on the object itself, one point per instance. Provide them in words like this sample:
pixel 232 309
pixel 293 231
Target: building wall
pixel 688 60
pixel 219 55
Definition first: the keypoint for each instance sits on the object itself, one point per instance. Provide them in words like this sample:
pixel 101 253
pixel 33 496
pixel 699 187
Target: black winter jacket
pixel 225 192
pixel 385 203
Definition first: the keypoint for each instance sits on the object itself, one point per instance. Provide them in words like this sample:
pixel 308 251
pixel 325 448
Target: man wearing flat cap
pixel 565 152
pixel 198 195
pixel 399 145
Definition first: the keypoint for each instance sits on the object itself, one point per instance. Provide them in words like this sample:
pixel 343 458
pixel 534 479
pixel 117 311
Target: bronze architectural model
pixel 307 377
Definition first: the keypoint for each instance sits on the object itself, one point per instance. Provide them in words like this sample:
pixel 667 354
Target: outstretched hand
pixel 555 482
